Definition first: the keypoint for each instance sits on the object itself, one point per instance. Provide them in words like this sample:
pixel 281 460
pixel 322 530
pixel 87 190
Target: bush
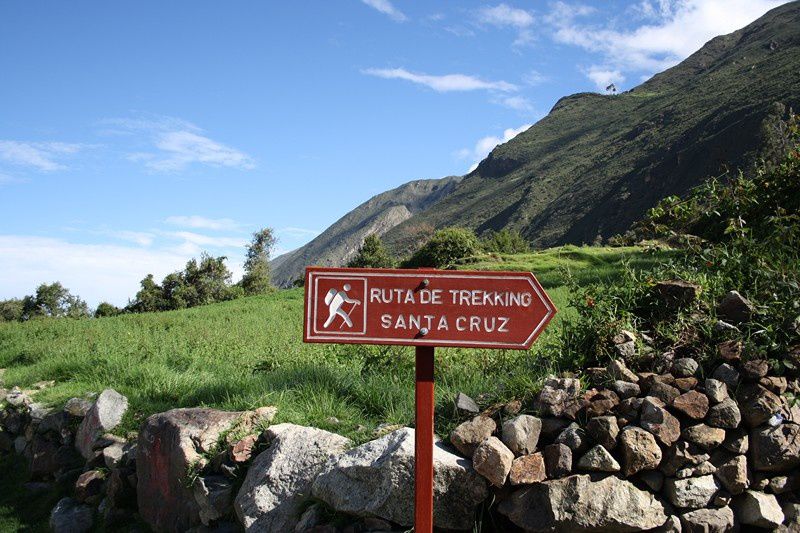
pixel 11 310
pixel 444 248
pixel 505 241
pixel 105 309
pixel 372 254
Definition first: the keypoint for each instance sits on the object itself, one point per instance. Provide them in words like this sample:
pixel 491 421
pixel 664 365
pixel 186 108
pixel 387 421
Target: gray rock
pixel 521 434
pixel 702 469
pixel 492 459
pixel 691 493
pixel 214 496
pixel 737 441
pixel 465 404
pixel 626 351
pixel 708 520
pixel 736 308
pixel 575 438
pixel 659 422
pixel 557 460
pixel 626 389
pixel 468 435
pixel 623 336
pixel 782 484
pixel 598 459
pixel 726 374
pixel 102 417
pixel 716 390
pixel 776 449
pixel 684 367
pixel 640 451
pixel 576 503
pixel 617 370
pixel 759 509
pixel 604 430
pixel 281 477
pixel 71 516
pixel 704 436
pixel 757 404
pixel 77 407
pixel 17 398
pixel 377 479
pixel 725 414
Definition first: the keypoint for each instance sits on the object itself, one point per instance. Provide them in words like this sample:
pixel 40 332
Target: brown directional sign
pixel 425 307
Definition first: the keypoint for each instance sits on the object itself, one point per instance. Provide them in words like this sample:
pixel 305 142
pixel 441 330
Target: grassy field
pixel 248 353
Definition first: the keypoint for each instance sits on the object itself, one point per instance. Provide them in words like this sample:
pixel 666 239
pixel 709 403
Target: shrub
pixel 444 248
pixel 256 279
pixel 11 310
pixel 105 309
pixel 505 241
pixel 372 254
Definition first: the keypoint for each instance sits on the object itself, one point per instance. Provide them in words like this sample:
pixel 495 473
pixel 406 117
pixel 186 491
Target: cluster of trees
pixel 50 300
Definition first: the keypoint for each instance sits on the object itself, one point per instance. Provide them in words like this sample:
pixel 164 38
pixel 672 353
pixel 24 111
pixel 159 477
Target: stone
pixel 754 369
pixel 664 392
pixel 737 441
pixel 623 336
pixel 726 374
pixel 521 434
pixel 214 497
pixel 492 459
pixel 77 407
pixel 575 438
pixel 89 485
pixel 677 293
pixel 17 398
pixel 736 308
pixel 466 405
pixel 757 404
pixel 720 326
pixel 527 469
pixel 708 520
pixel 571 386
pixel 692 492
pixel 778 385
pixel 551 401
pixel 692 404
pixel 730 351
pixel 577 503
pixel 626 389
pixel 599 403
pixel 557 460
pixel 71 516
pixel 733 474
pixel 782 484
pixel 626 351
pixel 552 428
pixel 686 384
pixel 120 492
pixel 512 408
pixel 171 445
pixel 653 479
pixel 114 454
pixel 672 525
pixel 680 456
pixel 617 370
pixel 604 430
pixel 758 509
pixel 311 518
pixel 704 436
pixel 598 459
pixel 640 451
pixel 684 367
pixel 628 410
pixel 776 449
pixel 281 476
pixel 468 435
pixel 43 457
pixel 702 469
pixel 102 417
pixel 242 450
pixel 791 511
pixel 715 390
pixel 377 479
pixel 725 415
pixel 659 422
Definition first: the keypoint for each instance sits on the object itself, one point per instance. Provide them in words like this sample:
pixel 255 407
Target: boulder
pixel 492 459
pixel 171 445
pixel 102 417
pixel 617 370
pixel 659 422
pixel 704 436
pixel 71 516
pixel 686 384
pixel 521 434
pixel 575 438
pixel 626 350
pixel 598 459
pixel 757 404
pixel 604 430
pixel 692 404
pixel 626 389
pixel 280 478
pixel 468 435
pixel 527 469
pixel 214 497
pixel 736 308
pixel 776 449
pixel 663 391
pixel 716 390
pixel 733 475
pixel 77 407
pixel 726 374
pixel 557 460
pixel 640 451
pixel 684 367
pixel 377 479
pixel 677 293
pixel 692 492
pixel 725 414
pixel 89 486
pixel 708 520
pixel 577 503
pixel 754 369
pixel 758 509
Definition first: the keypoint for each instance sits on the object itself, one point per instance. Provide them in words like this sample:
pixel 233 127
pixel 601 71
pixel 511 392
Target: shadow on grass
pixel 20 508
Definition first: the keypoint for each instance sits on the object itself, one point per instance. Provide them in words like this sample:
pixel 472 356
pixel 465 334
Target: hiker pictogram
pixel 335 301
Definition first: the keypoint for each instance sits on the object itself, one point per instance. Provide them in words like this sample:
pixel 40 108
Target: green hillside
pixel 596 163
pixel 248 352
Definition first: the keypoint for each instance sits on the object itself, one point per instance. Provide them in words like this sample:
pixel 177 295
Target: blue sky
pixel 135 135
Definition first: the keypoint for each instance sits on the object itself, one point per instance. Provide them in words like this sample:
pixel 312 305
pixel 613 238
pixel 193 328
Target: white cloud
pixel 487 144
pixel 41 156
pixel 505 15
pixel 518 103
pixel 444 83
pixel 603 77
pixel 198 222
pixel 179 143
pixel 387 8
pixel 199 240
pixel 141 238
pixel 680 28
pixel 534 78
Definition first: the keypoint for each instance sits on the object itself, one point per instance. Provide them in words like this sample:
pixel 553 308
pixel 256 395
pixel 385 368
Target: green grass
pixel 248 352
pixel 20 509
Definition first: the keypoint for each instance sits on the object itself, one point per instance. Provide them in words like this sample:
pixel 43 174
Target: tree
pixel 209 280
pixel 505 241
pixel 11 310
pixel 256 279
pixel 105 309
pixel 53 300
pixel 445 247
pixel 372 254
pixel 149 298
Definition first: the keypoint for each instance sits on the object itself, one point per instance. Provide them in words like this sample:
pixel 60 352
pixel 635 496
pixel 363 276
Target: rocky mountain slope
pixel 337 244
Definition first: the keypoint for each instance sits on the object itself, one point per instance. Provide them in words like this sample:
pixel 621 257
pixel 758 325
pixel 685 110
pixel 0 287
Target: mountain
pixel 596 163
pixel 337 244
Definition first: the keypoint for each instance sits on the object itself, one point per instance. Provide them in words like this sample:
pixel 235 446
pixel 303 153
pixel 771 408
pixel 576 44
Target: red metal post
pixel 423 444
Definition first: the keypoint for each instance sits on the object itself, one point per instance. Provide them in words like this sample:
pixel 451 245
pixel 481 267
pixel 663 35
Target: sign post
pixel 424 308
